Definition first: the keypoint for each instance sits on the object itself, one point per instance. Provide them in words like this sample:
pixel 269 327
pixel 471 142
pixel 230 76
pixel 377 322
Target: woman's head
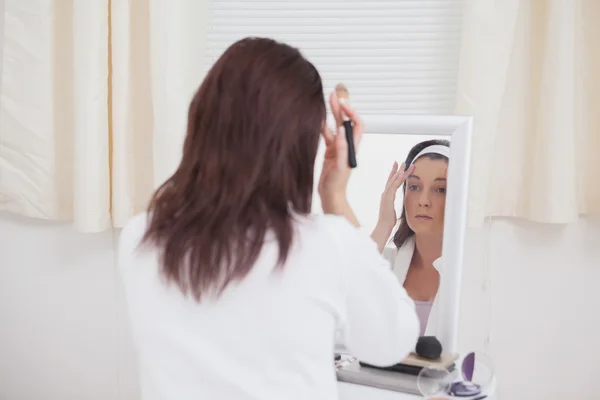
pixel 424 191
pixel 247 166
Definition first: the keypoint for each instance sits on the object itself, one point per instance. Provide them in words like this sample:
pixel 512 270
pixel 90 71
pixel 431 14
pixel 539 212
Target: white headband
pixel 434 149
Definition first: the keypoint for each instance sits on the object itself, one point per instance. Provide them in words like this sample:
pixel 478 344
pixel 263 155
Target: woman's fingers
pixel 341 149
pixel 328 134
pixel 394 170
pixel 391 176
pixel 334 103
pixel 339 139
pixel 397 177
pixel 338 110
pixel 401 177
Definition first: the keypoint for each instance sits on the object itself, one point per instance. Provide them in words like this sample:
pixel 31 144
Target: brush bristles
pixel 343 96
pixel 342 93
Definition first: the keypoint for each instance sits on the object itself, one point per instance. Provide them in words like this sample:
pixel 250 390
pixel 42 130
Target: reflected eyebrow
pixel 436 179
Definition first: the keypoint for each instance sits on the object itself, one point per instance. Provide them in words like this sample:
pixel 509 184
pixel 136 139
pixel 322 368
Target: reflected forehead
pixel 428 169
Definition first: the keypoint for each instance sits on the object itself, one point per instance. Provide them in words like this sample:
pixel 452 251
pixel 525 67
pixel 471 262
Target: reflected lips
pixel 424 217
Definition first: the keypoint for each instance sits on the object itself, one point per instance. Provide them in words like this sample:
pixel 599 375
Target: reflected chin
pixel 419 225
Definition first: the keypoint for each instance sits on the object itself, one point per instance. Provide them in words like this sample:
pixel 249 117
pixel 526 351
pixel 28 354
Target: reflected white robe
pixel 400 261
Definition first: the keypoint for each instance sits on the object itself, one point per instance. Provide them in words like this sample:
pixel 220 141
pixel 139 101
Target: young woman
pixel 234 290
pixel 417 244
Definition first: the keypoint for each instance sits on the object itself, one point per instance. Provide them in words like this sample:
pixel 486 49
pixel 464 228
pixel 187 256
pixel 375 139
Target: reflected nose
pixel 424 200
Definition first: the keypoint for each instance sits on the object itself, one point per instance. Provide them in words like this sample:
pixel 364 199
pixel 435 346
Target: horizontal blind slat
pixel 333 13
pixel 340 6
pixel 396 56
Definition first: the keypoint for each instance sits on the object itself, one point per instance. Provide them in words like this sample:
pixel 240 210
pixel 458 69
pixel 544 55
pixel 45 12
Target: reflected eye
pixel 441 190
pixel 413 188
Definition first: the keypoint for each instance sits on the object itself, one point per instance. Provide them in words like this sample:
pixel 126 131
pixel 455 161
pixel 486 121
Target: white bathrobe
pixel 400 260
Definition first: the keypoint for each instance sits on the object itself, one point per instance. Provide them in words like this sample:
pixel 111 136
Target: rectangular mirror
pixel 389 138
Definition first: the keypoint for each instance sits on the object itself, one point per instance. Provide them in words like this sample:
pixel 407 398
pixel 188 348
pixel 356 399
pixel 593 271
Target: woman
pixel 234 290
pixel 417 250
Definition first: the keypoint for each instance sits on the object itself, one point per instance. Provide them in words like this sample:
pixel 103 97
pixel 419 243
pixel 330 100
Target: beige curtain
pixel 93 104
pixel 530 74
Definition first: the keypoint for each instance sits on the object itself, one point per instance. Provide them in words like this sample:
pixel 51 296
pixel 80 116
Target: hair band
pixel 433 149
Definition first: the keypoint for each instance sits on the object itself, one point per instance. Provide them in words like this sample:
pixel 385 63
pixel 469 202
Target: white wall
pixel 544 300
pixel 63 335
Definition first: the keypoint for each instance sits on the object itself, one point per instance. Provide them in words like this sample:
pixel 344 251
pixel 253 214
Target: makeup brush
pixel 344 98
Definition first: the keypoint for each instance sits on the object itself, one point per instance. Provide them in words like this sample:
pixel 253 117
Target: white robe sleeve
pixel 379 322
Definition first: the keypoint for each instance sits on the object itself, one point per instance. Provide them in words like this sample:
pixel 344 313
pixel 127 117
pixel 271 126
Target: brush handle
pixel 350 139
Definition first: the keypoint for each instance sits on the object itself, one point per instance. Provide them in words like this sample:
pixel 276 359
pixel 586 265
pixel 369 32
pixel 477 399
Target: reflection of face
pixel 425 196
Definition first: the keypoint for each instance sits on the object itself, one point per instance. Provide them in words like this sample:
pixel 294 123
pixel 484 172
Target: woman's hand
pixel 387 210
pixel 336 171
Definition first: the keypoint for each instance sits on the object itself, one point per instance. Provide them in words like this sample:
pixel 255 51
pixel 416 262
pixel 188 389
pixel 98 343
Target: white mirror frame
pixel 460 130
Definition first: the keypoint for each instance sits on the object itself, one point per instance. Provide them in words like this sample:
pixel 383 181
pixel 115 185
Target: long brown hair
pixel 404 232
pixel 247 167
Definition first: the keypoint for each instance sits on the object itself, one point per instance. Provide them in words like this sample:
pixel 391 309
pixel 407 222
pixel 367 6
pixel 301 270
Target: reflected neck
pixel 428 248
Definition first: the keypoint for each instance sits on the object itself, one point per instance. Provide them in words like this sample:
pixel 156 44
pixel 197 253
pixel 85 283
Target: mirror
pixel 390 138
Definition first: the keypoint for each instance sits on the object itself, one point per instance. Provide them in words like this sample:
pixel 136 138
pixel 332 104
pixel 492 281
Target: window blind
pixel 396 56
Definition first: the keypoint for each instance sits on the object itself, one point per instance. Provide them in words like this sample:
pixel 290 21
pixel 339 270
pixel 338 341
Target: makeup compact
pixel 458 384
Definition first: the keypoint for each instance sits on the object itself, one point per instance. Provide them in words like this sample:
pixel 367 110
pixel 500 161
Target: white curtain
pixel 93 104
pixel 530 74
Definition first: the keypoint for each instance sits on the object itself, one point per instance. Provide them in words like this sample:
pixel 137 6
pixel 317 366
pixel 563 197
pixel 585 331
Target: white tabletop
pixel 364 382
pixel 350 391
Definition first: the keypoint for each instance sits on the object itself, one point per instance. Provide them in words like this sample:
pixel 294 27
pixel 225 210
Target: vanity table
pixel 356 383
pixel 378 384
pixel 362 383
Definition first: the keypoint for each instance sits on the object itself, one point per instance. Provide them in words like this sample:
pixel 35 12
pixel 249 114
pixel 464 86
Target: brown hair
pixel 404 232
pixel 247 167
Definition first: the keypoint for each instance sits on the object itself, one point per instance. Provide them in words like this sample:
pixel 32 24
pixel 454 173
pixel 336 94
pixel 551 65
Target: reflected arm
pixel 381 234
